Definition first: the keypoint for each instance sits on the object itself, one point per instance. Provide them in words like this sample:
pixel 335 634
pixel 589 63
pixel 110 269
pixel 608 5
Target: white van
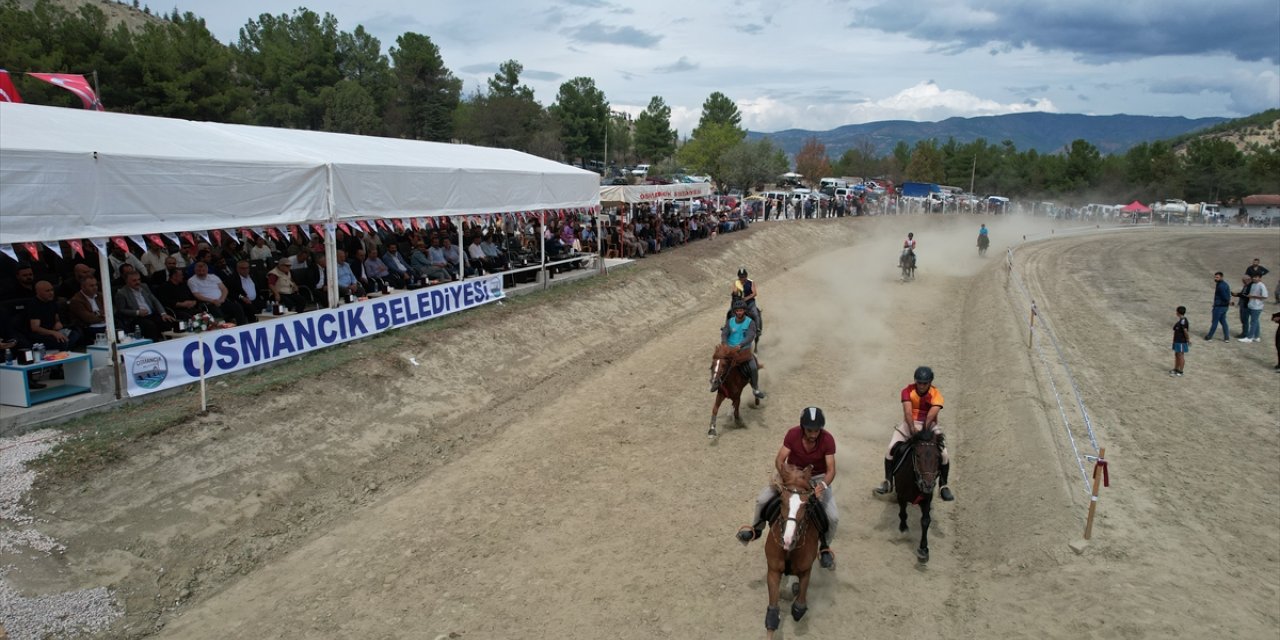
pixel 640 170
pixel 831 183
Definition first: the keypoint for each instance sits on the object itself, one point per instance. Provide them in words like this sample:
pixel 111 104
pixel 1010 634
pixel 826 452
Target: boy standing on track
pixel 1181 344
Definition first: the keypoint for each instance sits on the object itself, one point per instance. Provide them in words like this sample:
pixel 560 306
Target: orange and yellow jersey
pixel 920 405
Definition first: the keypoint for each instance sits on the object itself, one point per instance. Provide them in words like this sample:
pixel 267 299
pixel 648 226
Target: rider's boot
pixel 888 474
pixel 755 381
pixel 945 491
pixel 826 558
pixel 748 533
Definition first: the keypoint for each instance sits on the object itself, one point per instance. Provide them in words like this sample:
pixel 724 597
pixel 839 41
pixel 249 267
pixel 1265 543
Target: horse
pixel 728 380
pixel 907 262
pixel 984 241
pixel 792 543
pixel 914 483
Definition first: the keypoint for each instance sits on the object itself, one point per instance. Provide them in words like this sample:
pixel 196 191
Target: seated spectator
pixel 397 268
pixel 377 272
pixel 22 287
pixel 160 277
pixel 634 248
pixel 70 286
pixel 209 289
pixel 87 310
pixel 260 250
pixel 175 295
pixel 477 261
pixel 137 308
pixel 283 288
pixel 44 325
pixel 347 282
pixel 493 252
pixel 422 263
pixel 202 256
pixel 246 291
pixel 440 259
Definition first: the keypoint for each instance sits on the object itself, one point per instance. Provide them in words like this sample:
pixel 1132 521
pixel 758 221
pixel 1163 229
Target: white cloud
pixel 925 101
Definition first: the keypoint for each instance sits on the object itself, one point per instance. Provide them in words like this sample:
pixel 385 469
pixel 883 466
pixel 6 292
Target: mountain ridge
pixel 1042 131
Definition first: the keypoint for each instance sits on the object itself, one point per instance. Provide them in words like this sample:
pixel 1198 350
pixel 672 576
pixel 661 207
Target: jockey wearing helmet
pixel 745 289
pixel 802 446
pixel 921 403
pixel 909 245
pixel 739 332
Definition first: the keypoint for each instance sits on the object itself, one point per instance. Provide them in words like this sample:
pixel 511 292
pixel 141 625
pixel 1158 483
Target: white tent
pixel 654 192
pixel 71 173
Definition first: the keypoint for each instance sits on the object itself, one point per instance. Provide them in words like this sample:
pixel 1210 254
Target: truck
pixel 921 190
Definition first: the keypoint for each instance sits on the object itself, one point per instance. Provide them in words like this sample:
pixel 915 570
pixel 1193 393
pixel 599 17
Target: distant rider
pixel 745 289
pixel 739 332
pixel 921 403
pixel 804 445
pixel 908 247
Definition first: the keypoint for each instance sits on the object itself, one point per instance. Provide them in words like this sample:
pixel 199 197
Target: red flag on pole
pixel 75 83
pixel 8 92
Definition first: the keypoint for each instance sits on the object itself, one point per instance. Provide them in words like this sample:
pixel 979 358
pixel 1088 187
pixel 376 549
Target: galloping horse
pixel 728 380
pixel 984 241
pixel 907 262
pixel 914 478
pixel 792 543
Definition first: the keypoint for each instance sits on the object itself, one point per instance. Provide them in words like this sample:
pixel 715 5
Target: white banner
pixel 172 363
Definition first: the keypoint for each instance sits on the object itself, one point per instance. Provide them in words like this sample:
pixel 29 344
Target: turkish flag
pixel 77 247
pixel 156 240
pixel 119 242
pixel 75 83
pixel 8 92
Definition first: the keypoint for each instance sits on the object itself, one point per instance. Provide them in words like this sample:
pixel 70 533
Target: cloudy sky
pixel 818 64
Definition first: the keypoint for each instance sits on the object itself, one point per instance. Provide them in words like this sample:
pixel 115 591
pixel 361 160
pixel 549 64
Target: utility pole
pixel 973 173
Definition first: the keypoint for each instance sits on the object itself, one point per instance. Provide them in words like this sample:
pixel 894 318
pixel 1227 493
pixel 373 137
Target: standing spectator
pixel 153 261
pixel 1256 269
pixel 1221 302
pixel 117 257
pixel 1243 295
pixel 260 250
pixel 1257 297
pixel 1181 344
pixel 1275 317
pixel 22 287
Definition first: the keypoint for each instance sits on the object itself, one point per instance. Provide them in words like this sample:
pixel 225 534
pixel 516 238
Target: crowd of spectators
pixel 58 300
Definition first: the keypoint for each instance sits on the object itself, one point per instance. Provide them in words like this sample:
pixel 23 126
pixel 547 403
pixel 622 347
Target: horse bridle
pixel 806 497
pixel 915 462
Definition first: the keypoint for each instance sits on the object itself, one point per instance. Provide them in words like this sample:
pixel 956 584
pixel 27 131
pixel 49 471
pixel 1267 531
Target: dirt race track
pixel 544 473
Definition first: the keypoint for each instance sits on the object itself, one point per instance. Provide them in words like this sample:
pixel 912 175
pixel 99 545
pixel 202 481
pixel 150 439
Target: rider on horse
pixel 739 332
pixel 804 445
pixel 744 289
pixel 921 403
pixel 908 250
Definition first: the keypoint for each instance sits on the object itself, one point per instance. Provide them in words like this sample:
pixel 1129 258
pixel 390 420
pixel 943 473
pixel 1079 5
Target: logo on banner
pixel 149 369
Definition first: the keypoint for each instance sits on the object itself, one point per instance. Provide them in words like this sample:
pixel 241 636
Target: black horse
pixel 984 241
pixel 919 460
pixel 907 262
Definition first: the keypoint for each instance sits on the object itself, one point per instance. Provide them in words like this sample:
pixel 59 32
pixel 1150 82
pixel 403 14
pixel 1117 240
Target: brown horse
pixel 727 381
pixel 792 543
pixel 914 478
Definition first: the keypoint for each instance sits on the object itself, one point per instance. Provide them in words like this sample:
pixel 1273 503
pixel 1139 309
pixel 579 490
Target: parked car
pixel 640 170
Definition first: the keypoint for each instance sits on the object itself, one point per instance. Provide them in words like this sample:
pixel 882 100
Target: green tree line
pixel 302 71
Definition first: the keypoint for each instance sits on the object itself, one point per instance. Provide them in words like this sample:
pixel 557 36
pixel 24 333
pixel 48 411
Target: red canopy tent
pixel 1136 207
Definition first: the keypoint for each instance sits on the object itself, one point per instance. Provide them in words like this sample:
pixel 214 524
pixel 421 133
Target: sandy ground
pixel 544 473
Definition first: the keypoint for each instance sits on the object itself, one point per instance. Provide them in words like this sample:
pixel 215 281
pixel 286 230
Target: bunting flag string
pixel 77 247
pixel 100 244
pixel 283 231
pixel 274 233
pixel 119 242
pixel 217 237
pixel 319 229
pixel 32 249
pixel 7 249
pixel 156 240
pixel 398 224
pixel 345 228
pixel 54 247
pixel 259 232
pixel 189 237
pixel 300 231
pixel 138 240
pixel 174 237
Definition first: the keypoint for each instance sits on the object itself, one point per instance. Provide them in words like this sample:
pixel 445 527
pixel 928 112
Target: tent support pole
pixel 542 248
pixel 108 309
pixel 600 243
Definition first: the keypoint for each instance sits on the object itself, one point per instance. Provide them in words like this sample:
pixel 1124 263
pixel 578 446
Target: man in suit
pixel 137 307
pixel 243 288
pixel 87 310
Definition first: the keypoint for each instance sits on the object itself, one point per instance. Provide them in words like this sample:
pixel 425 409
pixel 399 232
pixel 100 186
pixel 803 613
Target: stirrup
pixel 827 558
pixel 747 533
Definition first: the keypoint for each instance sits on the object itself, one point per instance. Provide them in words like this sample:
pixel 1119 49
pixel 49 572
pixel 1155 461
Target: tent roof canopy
pixel 1136 206
pixel 77 173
